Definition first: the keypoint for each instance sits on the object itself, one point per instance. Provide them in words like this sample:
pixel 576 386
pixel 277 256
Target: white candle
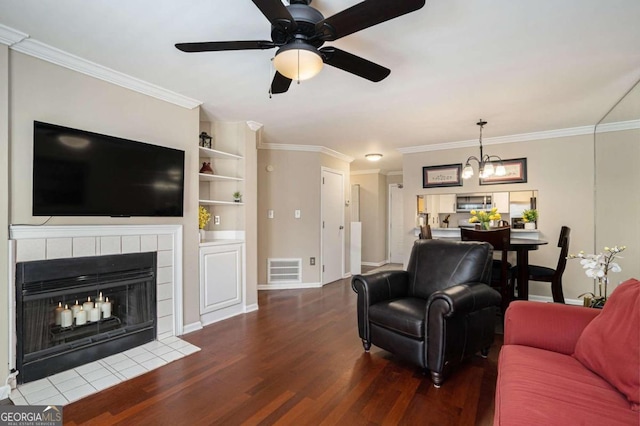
pixel 66 317
pixel 94 314
pixel 106 309
pixel 81 317
pixel 88 305
pixel 99 301
pixel 59 310
pixel 75 309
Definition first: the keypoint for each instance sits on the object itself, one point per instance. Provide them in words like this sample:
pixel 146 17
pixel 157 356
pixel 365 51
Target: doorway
pixel 332 225
pixel 396 243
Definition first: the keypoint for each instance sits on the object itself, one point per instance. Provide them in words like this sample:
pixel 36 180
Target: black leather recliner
pixel 436 313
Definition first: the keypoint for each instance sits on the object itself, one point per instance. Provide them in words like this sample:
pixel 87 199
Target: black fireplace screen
pixel 74 311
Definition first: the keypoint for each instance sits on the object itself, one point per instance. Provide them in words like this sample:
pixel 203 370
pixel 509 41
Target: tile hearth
pixel 82 381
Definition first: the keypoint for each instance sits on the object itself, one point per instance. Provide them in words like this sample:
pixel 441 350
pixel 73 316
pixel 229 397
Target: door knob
pixel 341 227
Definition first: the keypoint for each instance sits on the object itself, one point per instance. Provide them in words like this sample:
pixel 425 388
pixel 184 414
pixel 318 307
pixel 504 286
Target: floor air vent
pixel 284 271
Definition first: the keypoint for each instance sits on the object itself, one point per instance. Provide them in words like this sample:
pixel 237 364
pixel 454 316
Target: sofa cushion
pixel 539 387
pixel 404 315
pixel 610 345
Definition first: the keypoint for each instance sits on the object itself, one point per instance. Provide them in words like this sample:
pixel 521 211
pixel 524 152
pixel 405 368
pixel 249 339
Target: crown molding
pixel 9 36
pixel 56 56
pixel 254 125
pixel 526 137
pixel 395 173
pixel 306 148
pixel 618 126
pixel 367 172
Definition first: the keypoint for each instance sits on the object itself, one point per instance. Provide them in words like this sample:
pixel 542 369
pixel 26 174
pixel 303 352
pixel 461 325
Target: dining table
pixel 522 247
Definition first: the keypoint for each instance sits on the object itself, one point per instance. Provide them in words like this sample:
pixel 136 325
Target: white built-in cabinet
pixel 221 289
pixel 500 200
pixel 432 205
pixel 447 203
pixel 222 252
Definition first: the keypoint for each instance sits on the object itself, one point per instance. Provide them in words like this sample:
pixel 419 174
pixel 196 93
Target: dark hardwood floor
pixel 297 360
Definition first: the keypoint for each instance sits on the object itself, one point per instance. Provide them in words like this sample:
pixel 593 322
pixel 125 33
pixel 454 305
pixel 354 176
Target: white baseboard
pixel 222 314
pixel 288 286
pixel 347 275
pixel 548 299
pixel 190 328
pixel 251 308
pixel 376 264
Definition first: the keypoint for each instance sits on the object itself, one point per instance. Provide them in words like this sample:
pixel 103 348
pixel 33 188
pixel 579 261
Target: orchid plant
pixel 203 217
pixel 598 266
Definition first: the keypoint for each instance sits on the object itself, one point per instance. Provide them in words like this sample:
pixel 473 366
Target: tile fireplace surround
pixel 29 243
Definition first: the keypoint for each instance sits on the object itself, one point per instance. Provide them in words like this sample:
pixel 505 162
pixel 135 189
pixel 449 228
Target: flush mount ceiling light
pixel 373 157
pixel 298 61
pixel 488 165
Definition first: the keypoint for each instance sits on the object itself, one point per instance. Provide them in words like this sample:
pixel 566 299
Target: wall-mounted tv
pixel 80 173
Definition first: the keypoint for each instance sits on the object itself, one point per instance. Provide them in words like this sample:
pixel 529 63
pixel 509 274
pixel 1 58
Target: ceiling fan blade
pixel 277 14
pixel 354 64
pixel 216 46
pixel 364 15
pixel 280 84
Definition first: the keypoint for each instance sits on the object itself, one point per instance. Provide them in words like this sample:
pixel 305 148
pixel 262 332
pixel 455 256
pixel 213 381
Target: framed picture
pixel 516 173
pixel 440 176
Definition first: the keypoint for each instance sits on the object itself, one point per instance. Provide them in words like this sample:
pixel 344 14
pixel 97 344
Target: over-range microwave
pixel 467 202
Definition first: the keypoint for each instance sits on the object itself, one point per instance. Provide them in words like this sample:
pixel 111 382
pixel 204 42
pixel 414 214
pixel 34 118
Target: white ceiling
pixel 524 66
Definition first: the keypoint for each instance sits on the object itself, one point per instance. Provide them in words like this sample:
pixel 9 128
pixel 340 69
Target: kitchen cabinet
pixel 447 203
pixel 433 209
pixel 500 200
pixel 221 267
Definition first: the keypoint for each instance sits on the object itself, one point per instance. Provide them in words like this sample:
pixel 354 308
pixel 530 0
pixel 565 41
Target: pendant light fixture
pixel 486 166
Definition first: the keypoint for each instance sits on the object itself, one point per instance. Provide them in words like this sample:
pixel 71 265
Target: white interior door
pixel 332 225
pixel 396 244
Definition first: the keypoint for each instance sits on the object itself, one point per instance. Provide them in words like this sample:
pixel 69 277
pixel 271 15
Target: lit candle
pixel 81 317
pixel 66 317
pixel 99 301
pixel 106 309
pixel 59 310
pixel 75 309
pixel 94 314
pixel 88 305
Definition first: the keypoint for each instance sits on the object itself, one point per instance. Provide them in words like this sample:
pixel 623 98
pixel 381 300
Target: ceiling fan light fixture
pixel 298 61
pixel 373 157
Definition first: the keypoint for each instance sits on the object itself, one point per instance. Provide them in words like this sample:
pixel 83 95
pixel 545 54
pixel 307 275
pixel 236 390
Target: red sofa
pixel 569 365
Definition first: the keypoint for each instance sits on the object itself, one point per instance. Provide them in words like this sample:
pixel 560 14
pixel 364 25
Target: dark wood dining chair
pixel 500 277
pixel 550 275
pixel 425 232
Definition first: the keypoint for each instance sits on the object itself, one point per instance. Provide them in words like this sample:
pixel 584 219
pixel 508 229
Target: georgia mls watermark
pixel 31 415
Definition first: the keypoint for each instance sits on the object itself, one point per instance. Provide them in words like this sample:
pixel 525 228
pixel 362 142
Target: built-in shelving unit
pixel 210 196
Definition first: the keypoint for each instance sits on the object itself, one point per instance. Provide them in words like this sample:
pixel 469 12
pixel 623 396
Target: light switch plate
pixel 216 220
pixel 296 214
pixel 270 214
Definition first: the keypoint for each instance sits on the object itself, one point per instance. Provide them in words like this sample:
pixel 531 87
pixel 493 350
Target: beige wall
pixel 4 211
pixel 617 209
pixel 373 215
pixel 293 184
pixel 46 92
pixel 561 169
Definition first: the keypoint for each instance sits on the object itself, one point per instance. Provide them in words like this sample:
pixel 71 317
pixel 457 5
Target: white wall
pixel 562 171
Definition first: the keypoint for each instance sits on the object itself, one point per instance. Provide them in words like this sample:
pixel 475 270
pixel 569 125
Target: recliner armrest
pixel 551 326
pixel 463 298
pixel 380 286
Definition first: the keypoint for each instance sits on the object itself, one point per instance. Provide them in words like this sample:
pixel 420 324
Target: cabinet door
pixel 220 277
pixel 433 208
pixel 501 201
pixel 447 203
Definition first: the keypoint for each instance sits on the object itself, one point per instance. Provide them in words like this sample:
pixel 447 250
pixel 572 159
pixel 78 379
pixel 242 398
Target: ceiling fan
pixel 299 31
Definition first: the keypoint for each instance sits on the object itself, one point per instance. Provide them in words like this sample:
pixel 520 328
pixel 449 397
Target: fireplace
pixel 73 311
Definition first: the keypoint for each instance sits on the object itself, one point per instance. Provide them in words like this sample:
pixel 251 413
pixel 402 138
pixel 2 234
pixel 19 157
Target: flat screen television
pixel 80 173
